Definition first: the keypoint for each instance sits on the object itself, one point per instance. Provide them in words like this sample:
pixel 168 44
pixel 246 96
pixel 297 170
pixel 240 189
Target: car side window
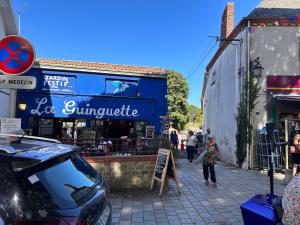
pixel 10 194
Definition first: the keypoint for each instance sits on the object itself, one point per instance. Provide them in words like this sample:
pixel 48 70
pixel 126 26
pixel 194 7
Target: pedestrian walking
pixel 182 145
pixel 199 138
pixel 205 136
pixel 190 146
pixel 209 161
pixel 174 140
pixel 295 152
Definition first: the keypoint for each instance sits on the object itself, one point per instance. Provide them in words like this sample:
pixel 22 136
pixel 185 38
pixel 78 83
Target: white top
pixel 191 141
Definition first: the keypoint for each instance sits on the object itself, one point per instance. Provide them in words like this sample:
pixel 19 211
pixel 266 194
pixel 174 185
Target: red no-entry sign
pixel 16 55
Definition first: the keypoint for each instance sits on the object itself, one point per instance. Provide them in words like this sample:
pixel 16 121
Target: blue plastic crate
pixel 259 210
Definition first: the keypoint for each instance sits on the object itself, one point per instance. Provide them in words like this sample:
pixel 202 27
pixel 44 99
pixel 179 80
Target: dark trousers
pixel 190 153
pixel 209 169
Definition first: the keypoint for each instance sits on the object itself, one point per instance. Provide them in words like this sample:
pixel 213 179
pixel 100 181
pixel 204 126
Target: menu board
pixel 150 131
pixel 162 157
pixel 10 125
pixel 164 169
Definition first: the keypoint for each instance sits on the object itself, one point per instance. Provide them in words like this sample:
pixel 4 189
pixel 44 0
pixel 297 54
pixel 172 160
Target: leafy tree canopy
pixel 195 116
pixel 178 91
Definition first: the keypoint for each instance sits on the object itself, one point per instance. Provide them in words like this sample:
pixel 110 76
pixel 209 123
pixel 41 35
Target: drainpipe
pixel 249 153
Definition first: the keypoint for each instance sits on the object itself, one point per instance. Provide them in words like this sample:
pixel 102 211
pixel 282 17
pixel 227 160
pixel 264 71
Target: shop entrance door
pixel 59 124
pixel 117 128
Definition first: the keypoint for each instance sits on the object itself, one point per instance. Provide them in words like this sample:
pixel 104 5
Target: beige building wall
pixel 278 50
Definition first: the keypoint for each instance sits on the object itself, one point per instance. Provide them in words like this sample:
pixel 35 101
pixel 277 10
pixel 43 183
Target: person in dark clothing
pixel 131 138
pixel 199 138
pixel 174 139
pixel 295 152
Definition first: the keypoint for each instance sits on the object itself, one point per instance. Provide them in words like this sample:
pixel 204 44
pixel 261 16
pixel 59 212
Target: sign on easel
pixel 164 169
pixel 10 125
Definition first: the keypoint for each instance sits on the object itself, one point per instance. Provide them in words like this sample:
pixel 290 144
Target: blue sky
pixel 172 34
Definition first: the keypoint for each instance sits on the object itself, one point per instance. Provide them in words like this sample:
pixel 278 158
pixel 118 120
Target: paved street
pixel 198 203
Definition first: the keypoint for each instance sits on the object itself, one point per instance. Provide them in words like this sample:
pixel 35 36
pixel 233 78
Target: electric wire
pixel 204 55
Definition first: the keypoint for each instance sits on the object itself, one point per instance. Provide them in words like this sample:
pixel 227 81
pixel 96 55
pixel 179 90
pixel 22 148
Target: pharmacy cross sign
pixel 16 55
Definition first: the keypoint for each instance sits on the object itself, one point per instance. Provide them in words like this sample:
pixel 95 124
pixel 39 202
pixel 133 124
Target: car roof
pixel 32 147
pixel 11 143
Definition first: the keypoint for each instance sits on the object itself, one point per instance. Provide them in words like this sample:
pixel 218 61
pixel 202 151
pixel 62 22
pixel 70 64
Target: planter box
pixel 125 173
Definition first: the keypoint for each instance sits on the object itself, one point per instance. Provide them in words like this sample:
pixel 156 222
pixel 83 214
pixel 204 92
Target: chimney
pixel 227 20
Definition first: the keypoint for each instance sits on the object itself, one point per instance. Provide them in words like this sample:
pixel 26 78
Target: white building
pixel 272 33
pixel 7 27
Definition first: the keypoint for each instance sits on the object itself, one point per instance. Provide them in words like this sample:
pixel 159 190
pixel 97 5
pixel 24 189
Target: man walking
pixel 174 139
pixel 206 136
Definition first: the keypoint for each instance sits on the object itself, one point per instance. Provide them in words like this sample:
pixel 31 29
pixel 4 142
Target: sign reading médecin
pixel 17 82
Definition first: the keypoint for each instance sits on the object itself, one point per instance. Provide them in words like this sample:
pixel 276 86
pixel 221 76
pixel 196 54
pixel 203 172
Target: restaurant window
pixel 46 127
pixel 33 125
pixel 127 88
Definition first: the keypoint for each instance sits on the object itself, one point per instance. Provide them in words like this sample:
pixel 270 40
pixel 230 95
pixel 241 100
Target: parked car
pixel 45 182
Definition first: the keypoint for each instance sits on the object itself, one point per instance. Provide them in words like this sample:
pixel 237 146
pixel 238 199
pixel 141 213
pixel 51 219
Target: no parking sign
pixel 16 55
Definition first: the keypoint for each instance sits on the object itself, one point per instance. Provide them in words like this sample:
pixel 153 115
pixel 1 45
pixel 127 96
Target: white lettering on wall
pixel 38 111
pixel 71 108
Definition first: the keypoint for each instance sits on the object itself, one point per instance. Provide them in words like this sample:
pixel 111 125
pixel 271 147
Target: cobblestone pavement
pixel 198 203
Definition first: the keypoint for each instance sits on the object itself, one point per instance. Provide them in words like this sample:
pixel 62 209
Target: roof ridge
pixel 98 63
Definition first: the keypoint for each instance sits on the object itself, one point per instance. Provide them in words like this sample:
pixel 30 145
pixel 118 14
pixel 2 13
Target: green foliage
pixel 244 111
pixel 195 115
pixel 178 91
pixel 241 134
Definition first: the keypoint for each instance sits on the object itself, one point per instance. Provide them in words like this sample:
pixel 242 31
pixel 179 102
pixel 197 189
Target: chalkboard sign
pixel 160 164
pixel 164 169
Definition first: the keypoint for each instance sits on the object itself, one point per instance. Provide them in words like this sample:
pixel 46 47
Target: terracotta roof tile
pixel 103 66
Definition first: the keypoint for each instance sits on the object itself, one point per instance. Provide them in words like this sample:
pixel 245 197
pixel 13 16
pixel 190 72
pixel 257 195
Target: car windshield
pixel 64 185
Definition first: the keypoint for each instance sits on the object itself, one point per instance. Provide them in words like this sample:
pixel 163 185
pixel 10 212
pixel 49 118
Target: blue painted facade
pixel 80 95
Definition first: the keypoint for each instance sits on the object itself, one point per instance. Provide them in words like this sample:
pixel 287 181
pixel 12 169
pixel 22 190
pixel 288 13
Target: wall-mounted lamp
pixel 256 68
pixel 22 106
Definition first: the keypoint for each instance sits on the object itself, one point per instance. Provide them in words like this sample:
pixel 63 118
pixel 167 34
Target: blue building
pixel 93 99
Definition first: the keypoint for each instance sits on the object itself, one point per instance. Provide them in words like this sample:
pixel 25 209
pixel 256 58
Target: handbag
pixel 201 156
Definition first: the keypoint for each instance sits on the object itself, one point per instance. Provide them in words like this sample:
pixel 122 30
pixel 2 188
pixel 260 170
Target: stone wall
pixel 125 173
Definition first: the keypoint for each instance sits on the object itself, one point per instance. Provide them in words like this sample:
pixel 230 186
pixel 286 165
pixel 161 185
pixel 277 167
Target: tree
pixel 178 91
pixel 195 118
pixel 195 115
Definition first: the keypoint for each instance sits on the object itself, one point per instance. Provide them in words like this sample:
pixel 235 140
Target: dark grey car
pixel 45 182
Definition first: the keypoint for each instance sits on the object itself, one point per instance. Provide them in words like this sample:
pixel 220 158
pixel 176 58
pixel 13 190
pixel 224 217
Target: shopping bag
pixel 201 156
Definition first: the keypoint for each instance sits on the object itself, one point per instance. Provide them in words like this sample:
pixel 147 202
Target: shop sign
pixel 55 83
pixel 17 82
pixel 86 107
pixel 10 125
pixel 121 88
pixel 283 83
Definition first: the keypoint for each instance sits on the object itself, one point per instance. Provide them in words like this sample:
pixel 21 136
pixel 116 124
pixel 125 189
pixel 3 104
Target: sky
pixel 171 34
